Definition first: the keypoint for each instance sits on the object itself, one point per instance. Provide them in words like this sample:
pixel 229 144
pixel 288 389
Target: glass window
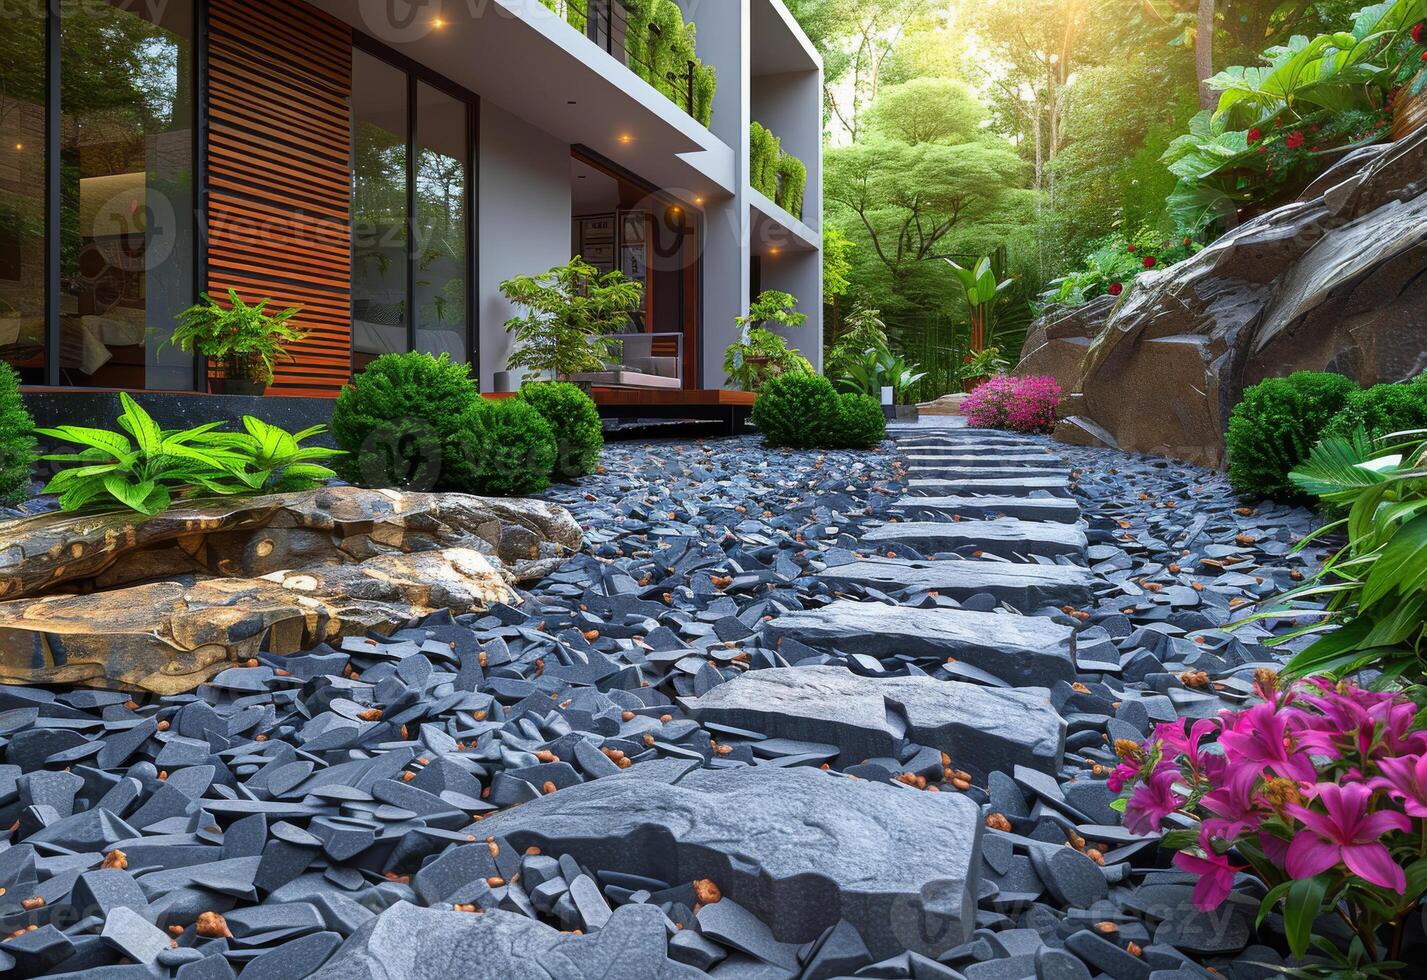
pixel 442 148
pixel 22 188
pixel 126 193
pixel 379 219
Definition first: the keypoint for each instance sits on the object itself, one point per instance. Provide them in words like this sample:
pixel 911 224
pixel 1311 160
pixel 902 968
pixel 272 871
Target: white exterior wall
pixel 523 213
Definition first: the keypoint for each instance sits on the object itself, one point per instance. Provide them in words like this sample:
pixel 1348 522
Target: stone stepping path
pixel 1023 586
pixel 1009 538
pixel 1019 650
pixel 1014 486
pixel 963 456
pixel 1060 510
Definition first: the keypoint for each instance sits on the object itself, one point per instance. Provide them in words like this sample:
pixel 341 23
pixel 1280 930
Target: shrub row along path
pixel 791 714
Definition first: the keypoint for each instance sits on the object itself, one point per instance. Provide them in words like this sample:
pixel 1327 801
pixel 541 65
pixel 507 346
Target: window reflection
pixel 22 188
pixel 126 193
pixel 441 223
pixel 379 218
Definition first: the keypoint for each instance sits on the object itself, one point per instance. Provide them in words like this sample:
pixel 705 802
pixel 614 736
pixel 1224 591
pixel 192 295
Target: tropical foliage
pixel 879 367
pixel 245 341
pixel 17 439
pixel 759 354
pixel 570 311
pixel 143 467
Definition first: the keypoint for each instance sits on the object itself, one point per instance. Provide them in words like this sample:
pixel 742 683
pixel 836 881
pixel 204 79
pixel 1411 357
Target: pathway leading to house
pixel 791 715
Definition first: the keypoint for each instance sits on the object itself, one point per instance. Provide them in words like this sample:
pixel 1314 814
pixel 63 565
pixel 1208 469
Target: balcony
pixel 650 38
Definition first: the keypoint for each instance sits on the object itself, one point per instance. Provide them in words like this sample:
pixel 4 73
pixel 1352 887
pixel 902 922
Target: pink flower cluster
pixel 1018 404
pixel 1319 777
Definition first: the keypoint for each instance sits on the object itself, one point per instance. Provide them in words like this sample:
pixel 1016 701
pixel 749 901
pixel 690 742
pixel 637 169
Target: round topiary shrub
pixel 861 422
pixel 396 417
pixel 1275 426
pixel 579 436
pixel 17 439
pixel 796 410
pixel 500 448
pixel 1382 410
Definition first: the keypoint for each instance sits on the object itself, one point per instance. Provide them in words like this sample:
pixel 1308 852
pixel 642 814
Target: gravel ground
pixel 370 798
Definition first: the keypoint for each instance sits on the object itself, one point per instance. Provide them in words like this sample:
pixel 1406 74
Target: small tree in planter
pixel 760 354
pixel 245 341
pixel 570 311
pixel 982 289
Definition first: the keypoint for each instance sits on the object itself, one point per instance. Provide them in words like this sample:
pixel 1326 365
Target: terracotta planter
pixel 1410 112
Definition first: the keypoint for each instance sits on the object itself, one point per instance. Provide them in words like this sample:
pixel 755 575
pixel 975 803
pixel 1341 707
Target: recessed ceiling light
pixel 439 23
pixel 19 146
pixel 626 138
pixel 699 201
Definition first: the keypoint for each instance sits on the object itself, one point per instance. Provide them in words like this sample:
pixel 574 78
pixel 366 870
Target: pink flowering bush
pixel 1320 791
pixel 1018 404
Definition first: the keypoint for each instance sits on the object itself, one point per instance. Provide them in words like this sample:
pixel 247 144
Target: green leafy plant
pixel 570 311
pixel 982 289
pixel 246 341
pixel 880 368
pixel 575 421
pixel 144 467
pixel 764 149
pixel 773 306
pixel 984 364
pixel 751 363
pixel 395 419
pixel 1375 586
pixel 863 330
pixel 792 184
pixel 501 448
pixel 1383 410
pixel 1115 263
pixel 17 439
pixel 861 423
pixel 1274 427
pixel 661 49
pixel 797 410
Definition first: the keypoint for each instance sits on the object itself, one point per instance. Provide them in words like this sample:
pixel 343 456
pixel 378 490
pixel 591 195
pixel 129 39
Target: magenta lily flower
pixel 1216 878
pixel 1346 833
pixel 1405 780
pixel 1153 799
pixel 1260 737
pixel 1234 804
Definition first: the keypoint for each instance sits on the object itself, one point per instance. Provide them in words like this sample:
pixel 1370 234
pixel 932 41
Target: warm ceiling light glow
pixel 626 138
pixel 676 210
pixel 19 146
pixel 699 201
pixel 439 23
pixel 774 251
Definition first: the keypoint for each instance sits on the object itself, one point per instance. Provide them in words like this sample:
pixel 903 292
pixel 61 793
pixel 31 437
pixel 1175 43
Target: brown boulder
pixel 248 537
pixel 167 638
pixel 1334 281
pixel 1057 342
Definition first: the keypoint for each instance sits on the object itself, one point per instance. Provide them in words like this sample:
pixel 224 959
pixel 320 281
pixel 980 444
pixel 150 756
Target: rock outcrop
pixel 1333 281
pixel 164 604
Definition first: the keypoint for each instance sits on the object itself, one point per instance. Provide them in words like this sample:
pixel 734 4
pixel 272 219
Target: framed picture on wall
pixel 633 262
pixel 599 229
pixel 631 229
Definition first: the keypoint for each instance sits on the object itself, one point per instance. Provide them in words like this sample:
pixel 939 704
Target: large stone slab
pixel 1021 650
pixel 935 471
pixel 1018 486
pixel 965 456
pixel 1009 538
pixel 798 847
pixel 1022 586
pixel 410 943
pixel 167 637
pixel 1056 509
pixel 983 729
pixel 249 537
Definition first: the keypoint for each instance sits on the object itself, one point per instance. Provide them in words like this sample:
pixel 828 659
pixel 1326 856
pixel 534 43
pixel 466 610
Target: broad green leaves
pixel 145 474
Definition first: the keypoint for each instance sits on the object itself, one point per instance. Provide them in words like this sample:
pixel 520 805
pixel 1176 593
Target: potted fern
pixel 244 341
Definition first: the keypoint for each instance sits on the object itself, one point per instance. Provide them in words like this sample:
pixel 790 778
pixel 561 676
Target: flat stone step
pixel 983 729
pixel 1022 586
pixel 1023 486
pixel 963 457
pixel 1008 538
pixel 1021 650
pixel 990 507
pixel 925 471
pixel 798 847
pixel 966 440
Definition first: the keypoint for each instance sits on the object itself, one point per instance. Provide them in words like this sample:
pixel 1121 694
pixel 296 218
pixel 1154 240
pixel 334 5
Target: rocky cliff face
pixel 1335 281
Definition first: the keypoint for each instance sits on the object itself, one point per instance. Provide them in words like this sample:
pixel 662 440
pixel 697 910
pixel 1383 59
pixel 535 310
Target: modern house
pixel 384 165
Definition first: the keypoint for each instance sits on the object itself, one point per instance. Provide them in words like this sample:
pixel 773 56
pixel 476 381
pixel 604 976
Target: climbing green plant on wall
pixel 661 49
pixel 575 12
pixel 778 176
